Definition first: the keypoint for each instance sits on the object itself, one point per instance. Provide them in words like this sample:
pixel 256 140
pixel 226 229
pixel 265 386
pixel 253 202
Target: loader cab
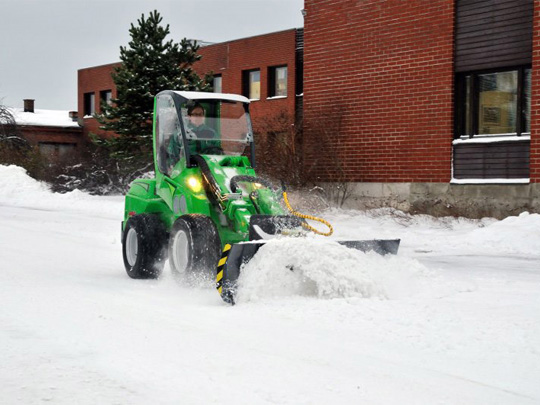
pixel 196 123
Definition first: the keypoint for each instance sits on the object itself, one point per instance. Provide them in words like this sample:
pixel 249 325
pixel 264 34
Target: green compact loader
pixel 206 210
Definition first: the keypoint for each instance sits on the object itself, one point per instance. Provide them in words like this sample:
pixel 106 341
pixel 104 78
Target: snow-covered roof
pixel 46 118
pixel 200 95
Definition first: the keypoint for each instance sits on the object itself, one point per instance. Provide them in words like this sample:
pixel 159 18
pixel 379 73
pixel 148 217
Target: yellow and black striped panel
pixel 221 266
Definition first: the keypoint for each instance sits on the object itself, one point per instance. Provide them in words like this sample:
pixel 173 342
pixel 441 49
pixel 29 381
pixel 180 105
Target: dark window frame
pixel 246 88
pixel 272 81
pixel 89 103
pixel 213 82
pixel 460 100
pixel 103 96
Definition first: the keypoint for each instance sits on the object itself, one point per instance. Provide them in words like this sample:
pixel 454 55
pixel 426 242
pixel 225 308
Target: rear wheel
pixel 143 243
pixel 194 246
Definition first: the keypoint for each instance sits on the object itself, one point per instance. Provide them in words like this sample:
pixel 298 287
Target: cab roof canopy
pixel 201 95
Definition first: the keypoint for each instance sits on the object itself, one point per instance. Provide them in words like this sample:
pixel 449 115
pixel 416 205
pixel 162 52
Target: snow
pixel 453 318
pixel 490 181
pixel 492 138
pixel 47 118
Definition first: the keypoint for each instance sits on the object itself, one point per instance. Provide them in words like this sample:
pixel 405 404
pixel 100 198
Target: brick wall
pixel 535 99
pixel 94 79
pixel 229 59
pixel 36 134
pixel 378 82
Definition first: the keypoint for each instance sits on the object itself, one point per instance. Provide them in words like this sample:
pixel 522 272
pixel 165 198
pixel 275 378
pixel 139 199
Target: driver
pixel 206 137
pixel 200 141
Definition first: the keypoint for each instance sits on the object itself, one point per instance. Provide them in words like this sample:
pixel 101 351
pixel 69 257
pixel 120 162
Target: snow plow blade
pixel 235 256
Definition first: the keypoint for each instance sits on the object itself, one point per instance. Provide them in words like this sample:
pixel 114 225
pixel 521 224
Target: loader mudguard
pixel 141 198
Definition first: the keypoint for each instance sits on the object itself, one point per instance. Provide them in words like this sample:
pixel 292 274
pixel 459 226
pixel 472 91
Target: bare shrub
pixel 10 135
pixel 14 149
pixel 324 164
pixel 94 172
pixel 278 142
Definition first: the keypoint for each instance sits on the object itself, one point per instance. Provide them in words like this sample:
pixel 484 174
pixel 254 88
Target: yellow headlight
pixel 194 184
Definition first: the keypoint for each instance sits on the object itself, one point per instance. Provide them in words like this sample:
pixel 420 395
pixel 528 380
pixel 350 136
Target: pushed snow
pixel 325 269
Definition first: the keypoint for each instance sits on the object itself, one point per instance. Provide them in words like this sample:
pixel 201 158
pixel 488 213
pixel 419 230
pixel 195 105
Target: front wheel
pixel 143 243
pixel 194 246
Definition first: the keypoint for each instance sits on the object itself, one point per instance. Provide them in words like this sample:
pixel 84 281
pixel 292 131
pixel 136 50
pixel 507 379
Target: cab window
pixel 169 146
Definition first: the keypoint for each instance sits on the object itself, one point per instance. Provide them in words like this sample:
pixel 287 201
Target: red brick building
pixel 95 85
pixel 265 68
pixel 57 134
pixel 430 104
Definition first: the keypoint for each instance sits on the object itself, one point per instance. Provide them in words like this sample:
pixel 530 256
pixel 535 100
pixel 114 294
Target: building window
pixel 251 84
pixel 217 84
pixel 56 150
pixel 277 81
pixel 89 104
pixel 493 103
pixel 105 97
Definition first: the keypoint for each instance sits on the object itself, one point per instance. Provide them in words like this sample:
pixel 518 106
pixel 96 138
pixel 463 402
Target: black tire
pixel 143 246
pixel 194 246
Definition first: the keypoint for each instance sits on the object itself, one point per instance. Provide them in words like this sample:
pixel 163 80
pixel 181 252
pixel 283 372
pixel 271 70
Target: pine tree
pixel 149 64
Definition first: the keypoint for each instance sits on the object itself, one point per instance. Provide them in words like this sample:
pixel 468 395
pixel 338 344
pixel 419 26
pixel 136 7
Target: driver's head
pixel 196 115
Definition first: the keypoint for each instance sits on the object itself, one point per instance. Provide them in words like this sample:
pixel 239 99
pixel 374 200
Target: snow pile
pixel 19 189
pixel 520 235
pixel 16 185
pixel 313 267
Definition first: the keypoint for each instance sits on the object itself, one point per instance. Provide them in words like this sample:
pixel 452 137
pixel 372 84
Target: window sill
pixel 276 97
pixel 492 138
pixel 251 100
pixel 490 181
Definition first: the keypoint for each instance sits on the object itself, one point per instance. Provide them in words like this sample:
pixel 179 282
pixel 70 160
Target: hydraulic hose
pixel 304 216
pixel 209 179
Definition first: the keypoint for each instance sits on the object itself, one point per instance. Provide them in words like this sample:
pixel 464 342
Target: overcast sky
pixel 44 42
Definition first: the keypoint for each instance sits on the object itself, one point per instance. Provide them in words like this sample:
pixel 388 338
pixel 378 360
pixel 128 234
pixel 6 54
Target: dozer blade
pixel 235 256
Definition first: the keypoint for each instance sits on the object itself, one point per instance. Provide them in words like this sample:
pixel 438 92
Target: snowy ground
pixel 454 318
